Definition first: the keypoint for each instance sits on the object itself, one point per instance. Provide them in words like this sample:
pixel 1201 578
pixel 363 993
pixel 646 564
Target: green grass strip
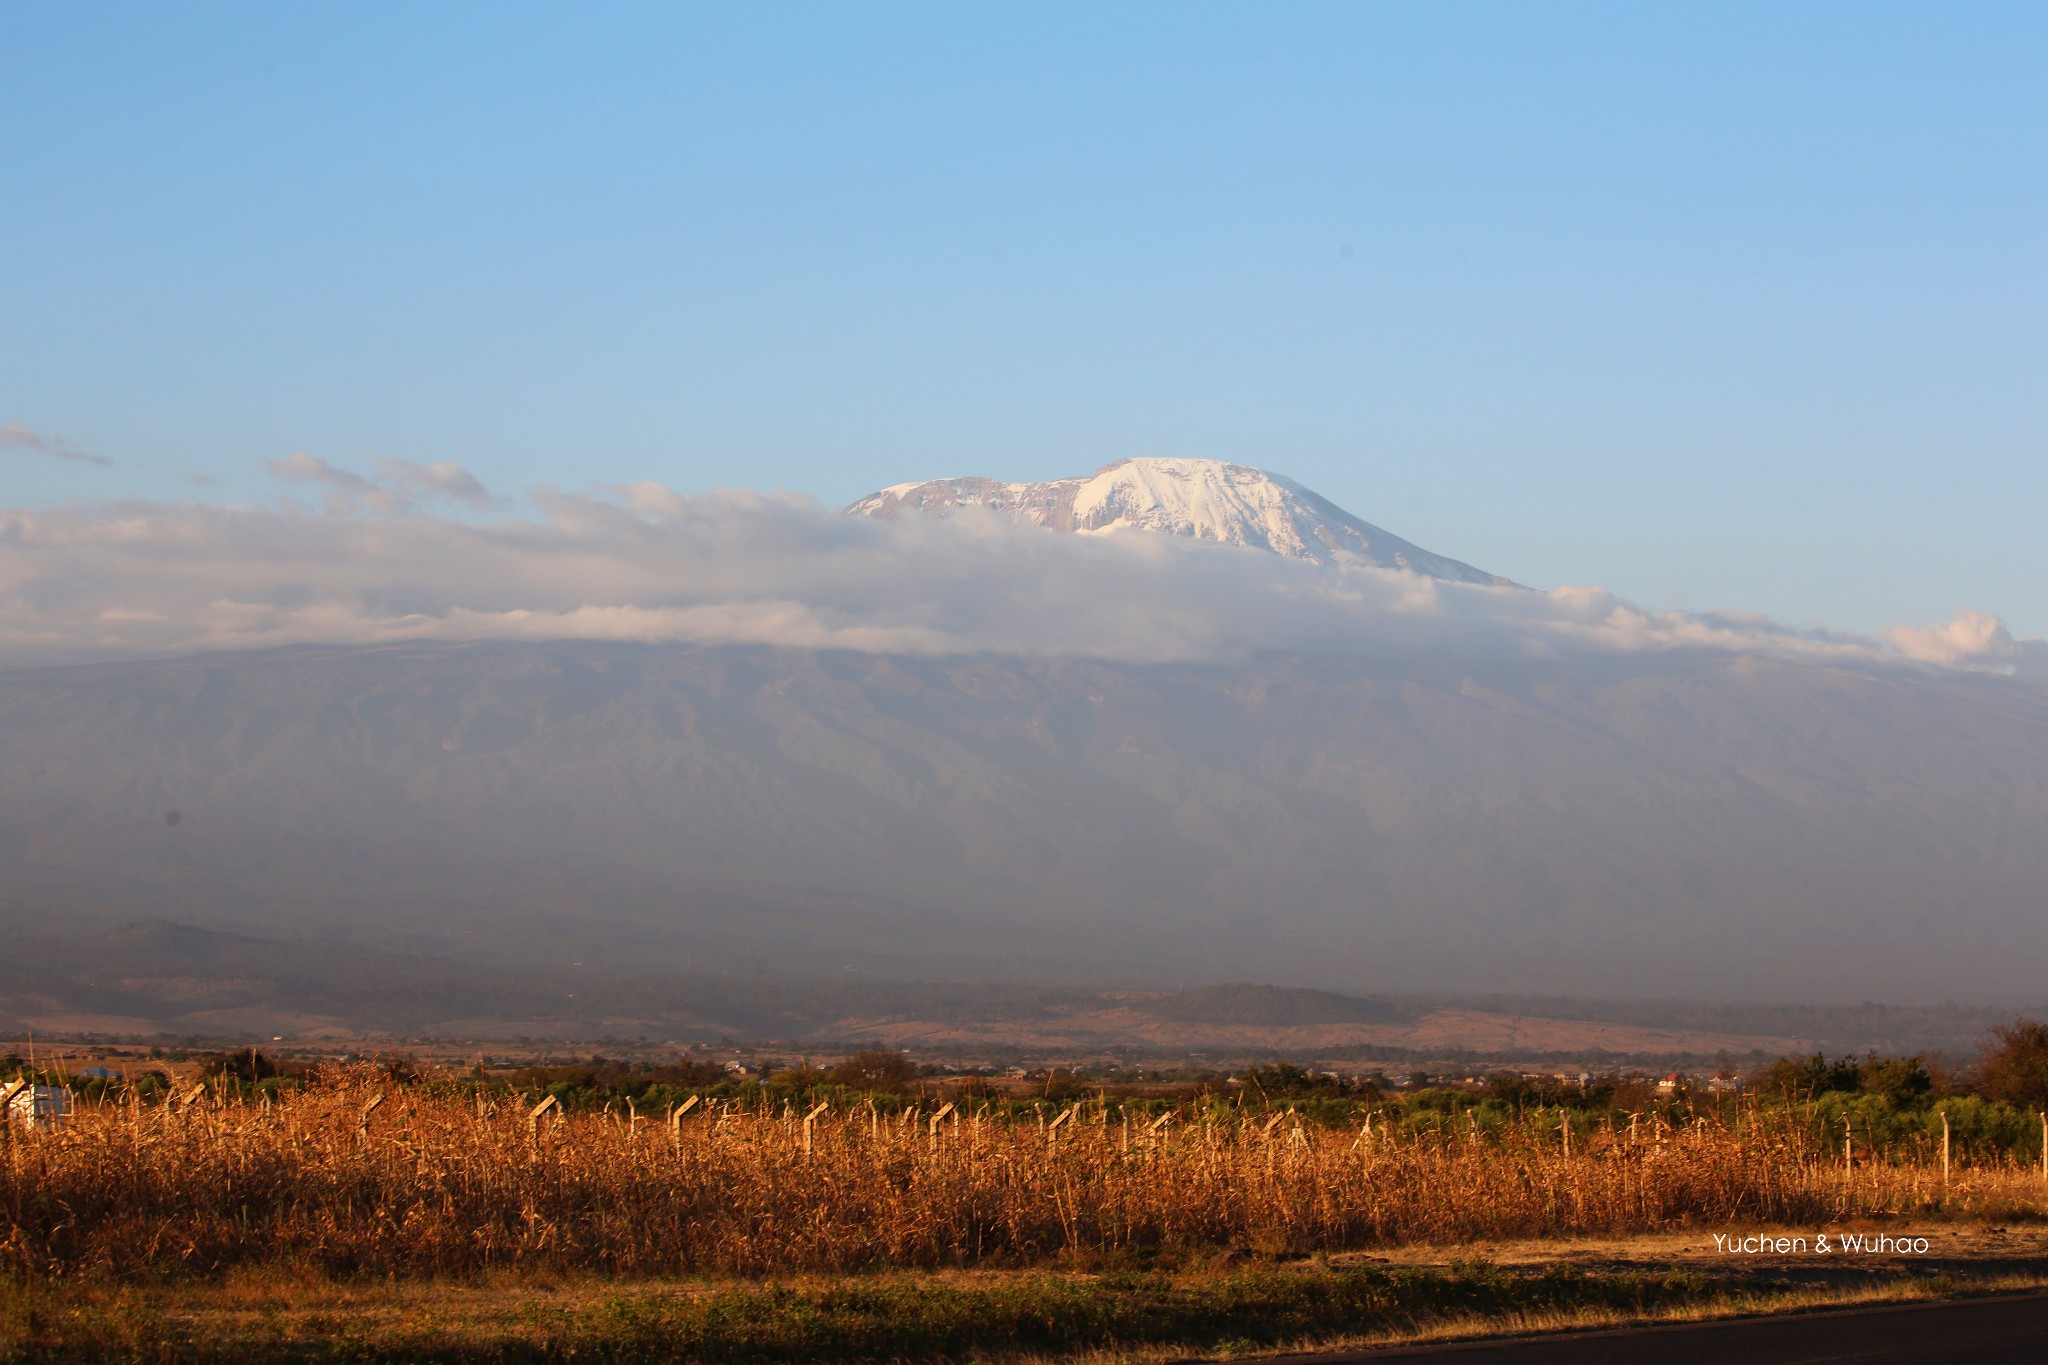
pixel 879 1319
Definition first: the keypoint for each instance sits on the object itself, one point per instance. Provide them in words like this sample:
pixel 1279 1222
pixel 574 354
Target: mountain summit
pixel 1206 499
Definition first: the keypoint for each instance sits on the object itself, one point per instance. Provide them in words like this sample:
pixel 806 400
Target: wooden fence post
pixel 810 1119
pixel 534 1115
pixel 1054 1127
pixel 7 1108
pixel 675 1119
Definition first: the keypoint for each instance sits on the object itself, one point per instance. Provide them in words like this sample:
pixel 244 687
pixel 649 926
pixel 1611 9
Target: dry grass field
pixel 355 1177
pixel 355 1219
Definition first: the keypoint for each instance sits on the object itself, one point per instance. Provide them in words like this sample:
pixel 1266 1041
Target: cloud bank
pixel 370 564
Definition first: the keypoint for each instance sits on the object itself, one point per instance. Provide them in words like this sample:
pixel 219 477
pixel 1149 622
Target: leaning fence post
pixel 932 1131
pixel 1054 1127
pixel 7 1108
pixel 809 1120
pixel 675 1119
pixel 533 1116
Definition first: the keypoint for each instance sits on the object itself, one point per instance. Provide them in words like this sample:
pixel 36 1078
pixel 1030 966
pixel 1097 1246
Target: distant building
pixel 37 1106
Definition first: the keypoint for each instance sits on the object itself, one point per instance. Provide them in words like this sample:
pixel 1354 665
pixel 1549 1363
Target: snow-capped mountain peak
pixel 1206 499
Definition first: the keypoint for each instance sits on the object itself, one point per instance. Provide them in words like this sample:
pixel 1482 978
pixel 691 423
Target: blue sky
pixel 1731 307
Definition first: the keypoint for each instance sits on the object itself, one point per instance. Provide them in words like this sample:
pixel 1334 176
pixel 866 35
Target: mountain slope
pixel 1205 499
pixel 1704 826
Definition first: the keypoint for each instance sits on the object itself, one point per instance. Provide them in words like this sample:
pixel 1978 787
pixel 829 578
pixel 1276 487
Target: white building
pixel 35 1106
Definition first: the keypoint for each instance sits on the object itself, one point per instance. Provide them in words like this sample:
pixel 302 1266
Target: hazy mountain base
pixel 1706 826
pixel 160 979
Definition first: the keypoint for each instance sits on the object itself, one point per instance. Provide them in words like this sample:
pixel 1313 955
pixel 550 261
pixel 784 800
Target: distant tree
pixel 1061 1084
pixel 689 1072
pixel 1437 1100
pixel 1283 1080
pixel 883 1072
pixel 1512 1088
pixel 243 1064
pixel 2013 1065
pixel 1805 1077
pixel 1899 1081
pixel 802 1076
pixel 1521 1092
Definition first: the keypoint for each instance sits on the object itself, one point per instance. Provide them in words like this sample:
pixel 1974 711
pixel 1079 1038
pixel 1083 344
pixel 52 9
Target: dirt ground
pixel 1953 1248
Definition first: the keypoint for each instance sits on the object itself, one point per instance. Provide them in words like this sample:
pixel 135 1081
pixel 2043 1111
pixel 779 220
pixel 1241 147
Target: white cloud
pixel 399 484
pixel 16 436
pixel 646 563
pixel 345 489
pixel 443 478
pixel 1971 638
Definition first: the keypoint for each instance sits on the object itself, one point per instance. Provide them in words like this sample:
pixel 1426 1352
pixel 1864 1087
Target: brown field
pixel 1441 1029
pixel 433 1182
pixel 1065 1033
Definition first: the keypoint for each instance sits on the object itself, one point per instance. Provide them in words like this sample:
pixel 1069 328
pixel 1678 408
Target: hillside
pixel 1706 827
pixel 161 979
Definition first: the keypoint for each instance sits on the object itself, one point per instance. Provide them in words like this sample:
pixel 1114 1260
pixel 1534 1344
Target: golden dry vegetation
pixel 353 1176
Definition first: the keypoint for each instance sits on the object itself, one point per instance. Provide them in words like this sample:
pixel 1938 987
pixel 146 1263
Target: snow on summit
pixel 1206 499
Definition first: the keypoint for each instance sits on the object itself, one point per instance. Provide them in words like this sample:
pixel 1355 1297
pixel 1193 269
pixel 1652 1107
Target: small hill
pixel 1245 1003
